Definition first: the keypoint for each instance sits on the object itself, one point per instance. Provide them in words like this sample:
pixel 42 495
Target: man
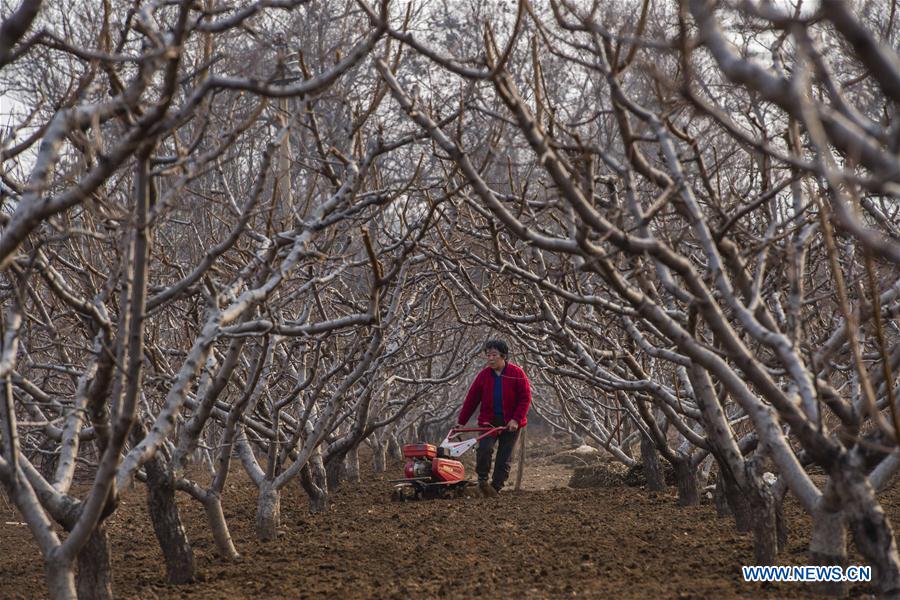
pixel 504 392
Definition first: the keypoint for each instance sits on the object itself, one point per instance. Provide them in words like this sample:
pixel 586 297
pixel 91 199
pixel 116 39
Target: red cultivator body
pixel 434 472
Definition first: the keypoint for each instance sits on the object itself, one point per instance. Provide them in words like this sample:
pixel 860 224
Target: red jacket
pixel 516 397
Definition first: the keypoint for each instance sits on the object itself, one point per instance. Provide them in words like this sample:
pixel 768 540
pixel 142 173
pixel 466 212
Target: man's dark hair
pixel 498 345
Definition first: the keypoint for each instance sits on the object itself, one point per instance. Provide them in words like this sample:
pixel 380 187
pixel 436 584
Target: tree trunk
pixel 268 512
pixel 334 473
pixel 212 504
pixel 781 525
pixel 395 450
pixel 719 497
pixel 60 579
pixel 828 546
pixel 686 480
pixel 523 454
pixel 167 524
pixel 873 535
pixel 49 459
pixel 762 508
pixel 875 540
pixel 704 470
pixel 379 456
pixel 871 529
pixel 653 471
pixel 94 578
pixel 738 501
pixel 325 481
pixel 318 498
pixel 351 465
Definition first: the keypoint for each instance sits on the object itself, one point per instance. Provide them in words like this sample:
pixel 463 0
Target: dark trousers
pixel 485 450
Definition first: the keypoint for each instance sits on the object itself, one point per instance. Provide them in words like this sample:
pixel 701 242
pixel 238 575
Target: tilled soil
pixel 545 541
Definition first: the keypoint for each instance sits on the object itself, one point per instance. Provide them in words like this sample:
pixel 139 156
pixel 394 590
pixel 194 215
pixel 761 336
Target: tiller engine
pixel 435 472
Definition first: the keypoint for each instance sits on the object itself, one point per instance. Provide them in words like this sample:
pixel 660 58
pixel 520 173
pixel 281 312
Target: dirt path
pixel 537 543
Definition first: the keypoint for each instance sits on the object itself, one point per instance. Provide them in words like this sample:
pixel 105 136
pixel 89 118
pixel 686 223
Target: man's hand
pixel 513 425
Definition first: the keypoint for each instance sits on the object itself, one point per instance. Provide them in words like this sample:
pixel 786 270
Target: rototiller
pixel 434 472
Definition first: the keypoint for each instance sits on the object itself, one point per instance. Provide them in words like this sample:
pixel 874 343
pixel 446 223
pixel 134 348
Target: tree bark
pixel 60 577
pixel 394 449
pixel 49 459
pixel 872 532
pixel 318 498
pixel 720 500
pixel 653 471
pixel 351 465
pixel 379 456
pixel 686 480
pixel 334 473
pixel 167 524
pixel 522 455
pixel 828 546
pixel 212 504
pixel 738 501
pixel 762 508
pixel 94 578
pixel 268 512
pixel 781 525
pixel 874 538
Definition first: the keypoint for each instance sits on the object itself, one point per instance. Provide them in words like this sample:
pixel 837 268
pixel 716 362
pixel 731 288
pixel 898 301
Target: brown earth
pixel 546 541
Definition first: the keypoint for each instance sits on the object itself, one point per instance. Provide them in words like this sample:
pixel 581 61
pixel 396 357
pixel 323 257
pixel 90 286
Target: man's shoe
pixel 487 490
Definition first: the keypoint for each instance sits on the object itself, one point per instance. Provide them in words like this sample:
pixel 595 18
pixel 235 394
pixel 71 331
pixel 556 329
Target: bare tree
pixel 270 230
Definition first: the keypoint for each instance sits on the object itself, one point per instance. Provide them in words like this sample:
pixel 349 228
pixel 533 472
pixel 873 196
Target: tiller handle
pixel 458 448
